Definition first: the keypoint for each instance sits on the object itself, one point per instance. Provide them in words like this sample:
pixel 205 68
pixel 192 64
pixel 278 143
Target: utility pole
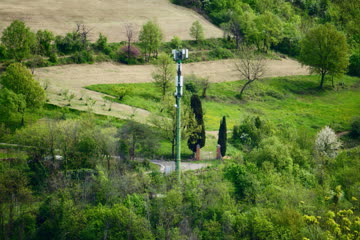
pixel 179 55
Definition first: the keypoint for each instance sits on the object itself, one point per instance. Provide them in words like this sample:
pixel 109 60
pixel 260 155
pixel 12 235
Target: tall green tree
pixel 268 31
pixel 18 40
pixel 44 39
pixel 235 28
pixel 19 79
pixel 137 139
pixel 150 38
pixel 197 31
pixel 198 135
pixel 14 192
pixel 12 104
pixel 222 140
pixel 325 51
pixel 164 73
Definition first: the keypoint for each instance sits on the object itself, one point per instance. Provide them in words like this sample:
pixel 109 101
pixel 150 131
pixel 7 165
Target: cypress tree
pixel 198 136
pixel 222 136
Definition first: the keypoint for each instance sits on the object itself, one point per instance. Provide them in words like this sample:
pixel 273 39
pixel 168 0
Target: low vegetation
pixel 294 101
pixel 290 151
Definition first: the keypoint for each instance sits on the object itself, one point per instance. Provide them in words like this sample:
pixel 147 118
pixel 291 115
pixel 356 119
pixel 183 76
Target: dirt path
pixel 75 77
pixel 169 166
pixel 105 16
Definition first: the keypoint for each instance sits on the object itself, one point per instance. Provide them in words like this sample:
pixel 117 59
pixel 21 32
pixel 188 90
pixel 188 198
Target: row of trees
pixel 18 42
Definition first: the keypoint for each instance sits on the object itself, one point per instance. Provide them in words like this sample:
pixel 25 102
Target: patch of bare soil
pixel 105 16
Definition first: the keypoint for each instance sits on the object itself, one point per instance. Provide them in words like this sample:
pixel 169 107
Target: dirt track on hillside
pixel 105 16
pixel 75 77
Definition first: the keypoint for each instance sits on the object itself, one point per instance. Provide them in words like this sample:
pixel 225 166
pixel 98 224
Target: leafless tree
pixel 130 35
pixel 250 66
pixel 84 32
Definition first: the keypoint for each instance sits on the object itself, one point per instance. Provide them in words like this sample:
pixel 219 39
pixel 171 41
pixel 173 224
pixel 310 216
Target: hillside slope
pixel 75 77
pixel 105 16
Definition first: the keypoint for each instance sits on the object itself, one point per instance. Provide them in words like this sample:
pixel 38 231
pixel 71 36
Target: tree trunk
pixel 128 51
pixel 204 93
pixel 322 79
pixel 11 216
pixel 243 88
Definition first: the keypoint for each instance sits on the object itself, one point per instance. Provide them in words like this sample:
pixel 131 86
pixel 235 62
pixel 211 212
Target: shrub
pixel 71 43
pixel 288 46
pixel 83 57
pixel 102 45
pixel 101 57
pixel 176 43
pixel 128 56
pixel 274 151
pixel 354 67
pixel 221 53
pixel 2 52
pixel 355 128
pixel 121 92
pixel 250 132
pixel 53 57
pixel 326 142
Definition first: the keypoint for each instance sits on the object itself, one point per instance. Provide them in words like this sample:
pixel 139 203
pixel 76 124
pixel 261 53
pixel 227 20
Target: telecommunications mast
pixel 179 55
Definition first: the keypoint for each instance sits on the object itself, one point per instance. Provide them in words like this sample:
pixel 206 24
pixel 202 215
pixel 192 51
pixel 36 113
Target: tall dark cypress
pixel 197 137
pixel 222 136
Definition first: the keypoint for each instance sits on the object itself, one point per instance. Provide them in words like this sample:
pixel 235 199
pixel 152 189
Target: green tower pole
pixel 178 121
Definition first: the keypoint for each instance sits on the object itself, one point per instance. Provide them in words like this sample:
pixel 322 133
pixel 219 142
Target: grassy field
pixel 294 101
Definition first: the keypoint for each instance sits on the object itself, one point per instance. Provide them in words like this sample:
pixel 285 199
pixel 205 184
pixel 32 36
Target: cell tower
pixel 179 56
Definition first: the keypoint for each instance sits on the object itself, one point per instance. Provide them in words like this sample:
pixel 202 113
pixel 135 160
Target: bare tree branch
pixel 250 66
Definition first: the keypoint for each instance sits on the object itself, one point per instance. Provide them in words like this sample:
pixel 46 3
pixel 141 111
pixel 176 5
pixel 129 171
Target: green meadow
pixel 286 101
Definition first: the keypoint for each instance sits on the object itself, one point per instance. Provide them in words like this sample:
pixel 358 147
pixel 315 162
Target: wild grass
pixel 286 101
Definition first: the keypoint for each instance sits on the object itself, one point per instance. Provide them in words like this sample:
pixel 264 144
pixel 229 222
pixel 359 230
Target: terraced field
pixel 105 16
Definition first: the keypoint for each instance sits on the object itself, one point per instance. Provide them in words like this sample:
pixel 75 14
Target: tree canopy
pixel 164 73
pixel 19 79
pixel 150 38
pixel 325 50
pixel 18 40
pixel 197 31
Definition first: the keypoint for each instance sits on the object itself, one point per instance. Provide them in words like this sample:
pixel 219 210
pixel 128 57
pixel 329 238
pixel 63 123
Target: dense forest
pixel 290 145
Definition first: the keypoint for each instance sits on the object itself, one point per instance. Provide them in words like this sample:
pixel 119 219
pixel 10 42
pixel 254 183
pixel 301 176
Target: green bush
pixel 355 128
pixel 101 45
pixel 101 57
pixel 131 57
pixel 121 92
pixel 176 43
pixel 83 57
pixel 221 53
pixel 2 52
pixel 70 43
pixel 272 150
pixel 288 46
pixel 53 57
pixel 250 132
pixel 354 67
